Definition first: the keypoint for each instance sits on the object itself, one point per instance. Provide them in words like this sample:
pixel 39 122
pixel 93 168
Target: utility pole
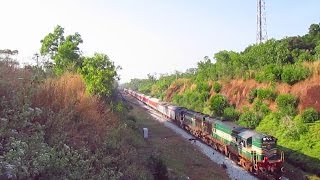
pixel 261 22
pixel 37 57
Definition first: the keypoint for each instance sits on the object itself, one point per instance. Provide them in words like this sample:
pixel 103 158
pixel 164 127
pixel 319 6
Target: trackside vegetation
pixel 62 118
pixel 270 87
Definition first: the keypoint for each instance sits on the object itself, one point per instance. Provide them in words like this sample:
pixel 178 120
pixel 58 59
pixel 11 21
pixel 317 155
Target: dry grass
pixel 178 86
pixel 82 117
pixel 314 67
pixel 15 83
pixel 306 91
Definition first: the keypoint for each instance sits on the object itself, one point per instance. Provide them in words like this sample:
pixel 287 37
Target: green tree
pixel 314 29
pixel 64 51
pixel 218 103
pixel 99 73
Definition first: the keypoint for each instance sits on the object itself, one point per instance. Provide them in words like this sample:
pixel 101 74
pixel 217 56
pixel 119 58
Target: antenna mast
pixel 261 22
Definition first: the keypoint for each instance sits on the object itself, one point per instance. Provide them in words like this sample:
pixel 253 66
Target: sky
pixel 150 36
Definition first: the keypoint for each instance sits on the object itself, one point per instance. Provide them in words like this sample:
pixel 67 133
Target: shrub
pixel 294 73
pixel 252 95
pixel 217 104
pixel 287 103
pixel 217 87
pixel 309 115
pixel 261 108
pixel 270 73
pixel 266 94
pixel 203 87
pixel 249 119
pixel 230 113
pixel 270 123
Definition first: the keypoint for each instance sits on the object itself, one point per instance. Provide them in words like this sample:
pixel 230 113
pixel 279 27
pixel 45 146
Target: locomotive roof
pixel 228 124
pixel 248 133
pixel 211 119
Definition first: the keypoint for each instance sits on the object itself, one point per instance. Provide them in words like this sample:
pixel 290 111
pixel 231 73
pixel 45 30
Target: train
pixel 255 152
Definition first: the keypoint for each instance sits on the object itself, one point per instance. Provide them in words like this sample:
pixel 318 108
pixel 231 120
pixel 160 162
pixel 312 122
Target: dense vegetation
pixel 62 119
pixel 273 64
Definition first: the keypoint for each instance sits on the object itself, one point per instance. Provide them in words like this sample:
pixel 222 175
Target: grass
pixel 182 159
pixel 70 109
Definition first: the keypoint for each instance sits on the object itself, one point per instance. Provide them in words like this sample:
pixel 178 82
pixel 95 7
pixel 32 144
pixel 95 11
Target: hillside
pixel 272 87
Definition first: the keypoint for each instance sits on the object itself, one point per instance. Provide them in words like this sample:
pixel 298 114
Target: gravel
pixel 234 171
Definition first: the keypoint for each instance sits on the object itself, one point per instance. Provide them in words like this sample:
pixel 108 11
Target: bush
pixel 203 87
pixel 230 113
pixel 287 103
pixel 217 87
pixel 249 119
pixel 217 104
pixel 252 95
pixel 292 74
pixel 270 73
pixel 261 108
pixel 266 94
pixel 309 115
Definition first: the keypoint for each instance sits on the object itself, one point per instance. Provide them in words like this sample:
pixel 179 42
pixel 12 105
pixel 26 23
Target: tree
pixel 218 103
pixel 314 29
pixel 5 54
pixel 64 51
pixel 99 73
pixel 7 59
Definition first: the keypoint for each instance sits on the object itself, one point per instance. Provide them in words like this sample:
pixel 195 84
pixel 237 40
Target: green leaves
pixel 249 119
pixel 99 74
pixel 309 115
pixel 231 114
pixel 287 103
pixel 294 73
pixel 217 87
pixel 63 51
pixel 218 103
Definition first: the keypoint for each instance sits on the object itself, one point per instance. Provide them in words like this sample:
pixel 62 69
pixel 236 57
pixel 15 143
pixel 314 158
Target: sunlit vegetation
pixel 263 102
pixel 62 119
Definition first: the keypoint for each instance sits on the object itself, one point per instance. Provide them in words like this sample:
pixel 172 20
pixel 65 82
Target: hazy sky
pixel 151 36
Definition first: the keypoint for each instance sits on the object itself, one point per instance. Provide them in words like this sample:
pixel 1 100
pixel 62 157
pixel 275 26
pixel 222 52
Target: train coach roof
pixel 154 99
pixel 164 103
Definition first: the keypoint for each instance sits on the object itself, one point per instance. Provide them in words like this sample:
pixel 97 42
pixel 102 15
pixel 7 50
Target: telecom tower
pixel 261 22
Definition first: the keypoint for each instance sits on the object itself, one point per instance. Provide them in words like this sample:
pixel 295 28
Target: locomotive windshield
pixel 269 143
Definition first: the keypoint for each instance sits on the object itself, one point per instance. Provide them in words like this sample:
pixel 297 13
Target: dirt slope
pixel 308 91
